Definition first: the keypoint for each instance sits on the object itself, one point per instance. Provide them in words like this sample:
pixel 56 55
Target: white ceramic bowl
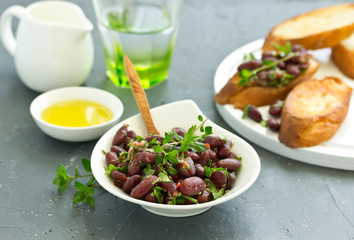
pixel 179 114
pixel 76 134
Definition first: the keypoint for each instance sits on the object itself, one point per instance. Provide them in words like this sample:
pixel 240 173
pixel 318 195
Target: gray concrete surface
pixel 290 199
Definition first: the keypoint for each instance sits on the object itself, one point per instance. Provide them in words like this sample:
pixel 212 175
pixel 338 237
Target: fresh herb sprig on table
pixel 84 191
pixel 248 76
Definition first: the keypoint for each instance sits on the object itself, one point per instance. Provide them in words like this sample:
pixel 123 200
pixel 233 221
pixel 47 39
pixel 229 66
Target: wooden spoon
pixel 139 95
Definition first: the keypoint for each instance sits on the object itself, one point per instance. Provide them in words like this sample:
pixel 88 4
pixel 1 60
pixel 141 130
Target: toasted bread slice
pixel 321 28
pixel 343 56
pixel 313 111
pixel 240 97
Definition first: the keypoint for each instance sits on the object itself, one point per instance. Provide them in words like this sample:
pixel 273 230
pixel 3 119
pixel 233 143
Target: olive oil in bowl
pixel 76 113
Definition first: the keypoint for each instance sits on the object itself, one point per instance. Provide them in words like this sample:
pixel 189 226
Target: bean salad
pixel 178 168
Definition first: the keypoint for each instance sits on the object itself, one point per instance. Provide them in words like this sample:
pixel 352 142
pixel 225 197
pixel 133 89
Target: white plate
pixel 338 152
pixel 178 114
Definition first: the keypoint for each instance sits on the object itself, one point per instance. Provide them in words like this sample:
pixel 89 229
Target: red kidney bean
pixel 254 114
pixel 293 69
pixel 118 176
pixel 157 170
pixel 229 143
pixel 231 181
pixel 157 137
pixel 143 187
pixel 192 185
pixel 170 188
pixel 111 158
pixel 186 167
pixel 150 197
pixel 218 178
pixel 131 134
pixel 229 164
pixel 214 141
pixel 232 155
pixel 267 54
pixel 148 157
pixel 122 164
pixel 263 78
pixel 134 167
pixel 180 131
pixel 117 149
pixel 276 108
pixel 224 151
pixel 120 135
pixel 194 156
pixel 118 184
pixel 199 170
pixel 204 158
pixel 273 125
pixel 131 183
pixel 167 199
pixel 187 202
pixel 204 197
pixel 250 65
pixel 304 66
pixel 176 177
pixel 282 65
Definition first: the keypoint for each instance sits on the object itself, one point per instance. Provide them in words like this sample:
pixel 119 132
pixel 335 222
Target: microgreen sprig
pixel 84 191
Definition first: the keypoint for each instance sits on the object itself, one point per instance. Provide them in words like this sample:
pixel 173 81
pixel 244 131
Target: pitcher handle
pixel 7 35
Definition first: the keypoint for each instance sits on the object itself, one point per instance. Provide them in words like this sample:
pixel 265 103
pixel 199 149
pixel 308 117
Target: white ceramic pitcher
pixel 53 46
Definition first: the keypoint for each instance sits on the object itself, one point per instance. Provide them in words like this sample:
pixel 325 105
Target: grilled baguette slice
pixel 320 28
pixel 343 56
pixel 313 111
pixel 240 97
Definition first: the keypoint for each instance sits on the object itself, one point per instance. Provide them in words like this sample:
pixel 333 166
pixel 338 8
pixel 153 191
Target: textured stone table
pixel 290 199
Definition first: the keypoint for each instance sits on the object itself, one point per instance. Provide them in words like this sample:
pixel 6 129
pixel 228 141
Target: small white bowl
pixel 76 134
pixel 178 114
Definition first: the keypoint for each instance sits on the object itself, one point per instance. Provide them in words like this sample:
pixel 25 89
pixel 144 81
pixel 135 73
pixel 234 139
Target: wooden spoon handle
pixel 139 95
